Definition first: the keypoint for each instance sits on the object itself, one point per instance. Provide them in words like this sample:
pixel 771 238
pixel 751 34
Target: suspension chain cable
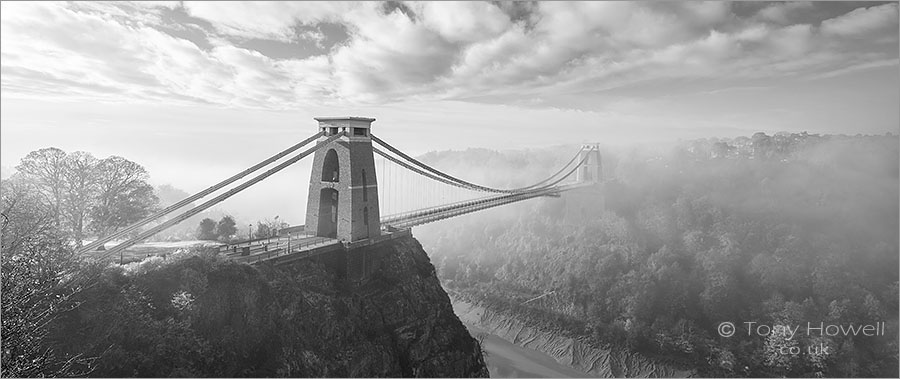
pixel 419 213
pixel 558 172
pixel 217 199
pixel 198 195
pixel 464 183
pixel 418 171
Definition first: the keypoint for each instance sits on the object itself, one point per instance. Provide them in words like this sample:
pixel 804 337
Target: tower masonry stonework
pixel 343 188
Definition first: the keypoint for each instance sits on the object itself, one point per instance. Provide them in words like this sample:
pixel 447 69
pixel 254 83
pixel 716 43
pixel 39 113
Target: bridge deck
pixel 424 216
pixel 290 248
pixel 265 249
pixel 279 250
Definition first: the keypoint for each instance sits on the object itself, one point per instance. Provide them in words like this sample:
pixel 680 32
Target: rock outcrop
pixel 578 353
pixel 205 316
pixel 398 323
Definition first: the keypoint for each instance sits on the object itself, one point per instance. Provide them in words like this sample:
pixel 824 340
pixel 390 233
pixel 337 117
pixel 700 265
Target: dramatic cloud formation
pixel 277 55
pixel 197 91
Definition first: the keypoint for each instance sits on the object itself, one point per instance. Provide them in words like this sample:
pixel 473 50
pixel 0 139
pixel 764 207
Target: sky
pixel 197 91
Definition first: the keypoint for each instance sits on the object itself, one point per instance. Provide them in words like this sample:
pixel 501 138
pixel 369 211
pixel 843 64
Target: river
pixel 507 360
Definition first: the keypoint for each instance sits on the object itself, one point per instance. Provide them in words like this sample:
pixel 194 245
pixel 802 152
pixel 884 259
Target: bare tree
pixel 39 272
pixel 88 193
pixel 81 189
pixel 45 169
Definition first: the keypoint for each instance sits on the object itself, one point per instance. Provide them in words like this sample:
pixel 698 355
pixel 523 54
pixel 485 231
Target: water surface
pixel 507 360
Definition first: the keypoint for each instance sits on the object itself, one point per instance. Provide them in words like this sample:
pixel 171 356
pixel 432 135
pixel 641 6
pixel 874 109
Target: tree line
pixel 225 229
pixel 86 195
pixel 210 230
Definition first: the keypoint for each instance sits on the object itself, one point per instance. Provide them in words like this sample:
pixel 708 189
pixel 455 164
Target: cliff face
pixel 202 316
pixel 399 323
pixel 601 362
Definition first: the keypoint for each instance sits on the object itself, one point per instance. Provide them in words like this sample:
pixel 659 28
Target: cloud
pixel 466 21
pixel 792 40
pixel 275 20
pixel 387 52
pixel 863 20
pixel 781 13
pixel 89 55
pixel 862 66
pixel 389 55
pixel 75 47
pixel 708 12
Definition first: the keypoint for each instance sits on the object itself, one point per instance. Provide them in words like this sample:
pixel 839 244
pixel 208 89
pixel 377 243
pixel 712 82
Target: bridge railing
pixel 274 244
pixel 279 237
pixel 305 245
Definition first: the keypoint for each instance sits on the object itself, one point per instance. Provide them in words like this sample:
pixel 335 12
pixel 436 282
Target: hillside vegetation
pixel 199 314
pixel 778 230
pixel 205 316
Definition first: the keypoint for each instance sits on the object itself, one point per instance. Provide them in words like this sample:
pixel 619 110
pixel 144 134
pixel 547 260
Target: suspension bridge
pixel 356 199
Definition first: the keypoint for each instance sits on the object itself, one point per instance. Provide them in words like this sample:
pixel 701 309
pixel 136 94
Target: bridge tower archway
pixel 331 168
pixel 343 188
pixel 328 213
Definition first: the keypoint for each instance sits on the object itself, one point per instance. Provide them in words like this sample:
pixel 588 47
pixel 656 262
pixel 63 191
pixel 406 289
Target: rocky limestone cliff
pixel 602 362
pixel 399 323
pixel 203 316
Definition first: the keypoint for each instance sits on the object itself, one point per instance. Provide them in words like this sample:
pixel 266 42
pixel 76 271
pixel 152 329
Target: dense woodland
pixel 784 229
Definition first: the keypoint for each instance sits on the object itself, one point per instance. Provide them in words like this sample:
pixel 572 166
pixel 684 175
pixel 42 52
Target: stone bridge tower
pixel 343 189
pixel 586 203
pixel 592 170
